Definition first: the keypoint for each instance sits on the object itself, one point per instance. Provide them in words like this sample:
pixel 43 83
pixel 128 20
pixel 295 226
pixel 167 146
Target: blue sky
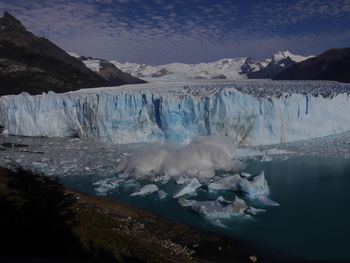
pixel 191 31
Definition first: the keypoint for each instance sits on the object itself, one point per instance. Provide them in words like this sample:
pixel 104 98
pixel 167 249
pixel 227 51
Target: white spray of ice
pixel 200 158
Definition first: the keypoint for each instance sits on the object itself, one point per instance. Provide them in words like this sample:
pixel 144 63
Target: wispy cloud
pixel 160 31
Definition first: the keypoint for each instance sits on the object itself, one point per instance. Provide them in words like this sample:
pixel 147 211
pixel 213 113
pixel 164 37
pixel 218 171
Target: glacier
pixel 250 112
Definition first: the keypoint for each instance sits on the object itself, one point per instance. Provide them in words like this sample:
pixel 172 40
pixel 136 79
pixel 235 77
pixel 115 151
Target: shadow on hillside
pixel 37 221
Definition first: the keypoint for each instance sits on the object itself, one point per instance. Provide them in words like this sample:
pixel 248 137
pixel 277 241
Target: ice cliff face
pixel 252 113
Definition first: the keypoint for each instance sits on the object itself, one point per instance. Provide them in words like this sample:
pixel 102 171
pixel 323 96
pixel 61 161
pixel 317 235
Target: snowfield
pixel 227 68
pixel 250 112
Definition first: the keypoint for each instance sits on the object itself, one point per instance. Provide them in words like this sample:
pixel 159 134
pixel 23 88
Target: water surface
pixel 311 223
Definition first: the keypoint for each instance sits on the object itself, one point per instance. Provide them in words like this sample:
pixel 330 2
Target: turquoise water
pixel 311 223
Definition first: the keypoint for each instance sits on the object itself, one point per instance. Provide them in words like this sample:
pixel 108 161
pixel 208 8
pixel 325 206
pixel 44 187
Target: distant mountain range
pixel 229 68
pixel 32 64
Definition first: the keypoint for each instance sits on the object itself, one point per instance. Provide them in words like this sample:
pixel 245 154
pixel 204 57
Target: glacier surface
pixel 250 112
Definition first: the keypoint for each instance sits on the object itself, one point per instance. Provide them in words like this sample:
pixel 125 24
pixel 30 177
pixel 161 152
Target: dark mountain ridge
pixel 334 64
pixel 35 65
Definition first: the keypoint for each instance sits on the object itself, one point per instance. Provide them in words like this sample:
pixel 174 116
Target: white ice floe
pixel 239 205
pixel 266 158
pixel 161 194
pixel 146 190
pixel 267 201
pixel 105 185
pixel 186 202
pixel 220 208
pixel 255 187
pixel 254 211
pixel 227 183
pixel 189 188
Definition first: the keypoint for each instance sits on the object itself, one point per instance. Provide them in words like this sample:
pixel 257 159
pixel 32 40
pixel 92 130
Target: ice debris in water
pixel 189 188
pixel 146 190
pixel 105 185
pixel 227 183
pixel 186 202
pixel 220 208
pixel 267 201
pixel 254 211
pixel 255 187
pixel 161 194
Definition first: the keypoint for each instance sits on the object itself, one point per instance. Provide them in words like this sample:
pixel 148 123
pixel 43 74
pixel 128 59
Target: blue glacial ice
pixel 250 112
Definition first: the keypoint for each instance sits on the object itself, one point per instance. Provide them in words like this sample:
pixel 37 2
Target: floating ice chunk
pixel 266 158
pixel 189 188
pixel 106 185
pixel 213 209
pixel 130 184
pixel 182 180
pixel 161 194
pixel 222 200
pixel 239 205
pixel 146 190
pixel 255 187
pixel 161 178
pixel 245 175
pixel 255 211
pixel 228 183
pixel 267 201
pixel 186 202
pixel 220 208
pixel 123 175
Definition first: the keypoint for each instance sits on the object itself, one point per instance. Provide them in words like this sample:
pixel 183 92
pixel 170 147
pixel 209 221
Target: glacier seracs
pixel 250 112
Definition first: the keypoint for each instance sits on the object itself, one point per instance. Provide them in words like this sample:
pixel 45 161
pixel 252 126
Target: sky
pixel 190 31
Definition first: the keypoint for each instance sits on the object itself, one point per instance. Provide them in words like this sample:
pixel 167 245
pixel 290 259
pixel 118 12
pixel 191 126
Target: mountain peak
pixel 9 20
pixel 280 55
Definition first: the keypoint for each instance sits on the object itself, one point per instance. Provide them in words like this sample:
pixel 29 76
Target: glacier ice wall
pixel 142 113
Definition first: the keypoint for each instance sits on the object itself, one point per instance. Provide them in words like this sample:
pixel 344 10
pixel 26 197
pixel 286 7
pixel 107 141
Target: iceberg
pixel 227 183
pixel 161 194
pixel 220 208
pixel 267 201
pixel 186 202
pixel 146 190
pixel 249 112
pixel 254 187
pixel 254 211
pixel 105 185
pixel 189 188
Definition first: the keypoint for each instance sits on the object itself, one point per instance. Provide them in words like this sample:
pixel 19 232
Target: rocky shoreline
pixel 106 229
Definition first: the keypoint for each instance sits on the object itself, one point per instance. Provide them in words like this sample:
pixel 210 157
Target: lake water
pixel 311 223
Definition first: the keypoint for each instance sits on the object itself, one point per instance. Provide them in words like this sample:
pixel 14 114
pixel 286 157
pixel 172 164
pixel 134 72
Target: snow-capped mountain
pixel 228 68
pixel 279 62
pixel 107 70
pixel 281 55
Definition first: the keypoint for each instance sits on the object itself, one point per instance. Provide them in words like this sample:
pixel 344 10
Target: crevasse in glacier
pixel 252 113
